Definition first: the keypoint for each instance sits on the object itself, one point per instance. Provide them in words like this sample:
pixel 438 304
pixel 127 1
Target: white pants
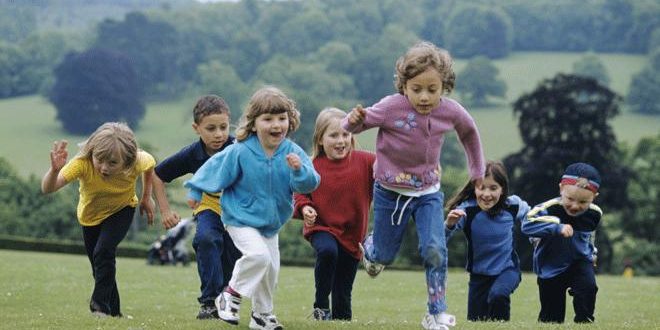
pixel 255 273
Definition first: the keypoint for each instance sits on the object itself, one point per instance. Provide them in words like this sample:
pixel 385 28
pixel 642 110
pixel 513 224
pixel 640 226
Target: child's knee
pixel 327 254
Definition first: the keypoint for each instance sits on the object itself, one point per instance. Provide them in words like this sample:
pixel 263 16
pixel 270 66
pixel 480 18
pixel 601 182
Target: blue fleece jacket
pixel 553 253
pixel 257 190
pixel 491 247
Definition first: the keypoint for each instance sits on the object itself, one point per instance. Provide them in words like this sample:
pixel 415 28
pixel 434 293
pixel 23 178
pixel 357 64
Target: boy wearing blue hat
pixel 562 230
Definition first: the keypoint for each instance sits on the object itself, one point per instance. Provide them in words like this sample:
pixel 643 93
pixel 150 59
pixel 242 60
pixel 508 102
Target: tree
pixel 644 92
pixel 565 120
pixel 489 32
pixel 94 87
pixel 591 66
pixel 640 235
pixel 478 81
pixel 153 47
pixel 217 78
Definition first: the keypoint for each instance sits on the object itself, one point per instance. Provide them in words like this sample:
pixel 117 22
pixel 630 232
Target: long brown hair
pixel 271 100
pixel 495 170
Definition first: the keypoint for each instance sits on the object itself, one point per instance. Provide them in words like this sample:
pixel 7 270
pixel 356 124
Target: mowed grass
pixel 28 125
pixel 51 291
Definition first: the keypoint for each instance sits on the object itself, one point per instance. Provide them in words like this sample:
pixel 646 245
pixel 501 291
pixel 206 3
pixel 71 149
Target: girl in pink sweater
pixel 336 214
pixel 411 127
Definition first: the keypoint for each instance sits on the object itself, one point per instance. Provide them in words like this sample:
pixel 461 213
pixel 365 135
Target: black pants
pixel 101 244
pixel 489 297
pixel 581 280
pixel 334 274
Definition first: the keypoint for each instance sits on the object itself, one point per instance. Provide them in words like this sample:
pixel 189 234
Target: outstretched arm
pixel 52 180
pixel 168 217
pixel 146 202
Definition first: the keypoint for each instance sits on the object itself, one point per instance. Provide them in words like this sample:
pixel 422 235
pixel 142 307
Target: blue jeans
pixel 215 254
pixel 392 212
pixel 334 274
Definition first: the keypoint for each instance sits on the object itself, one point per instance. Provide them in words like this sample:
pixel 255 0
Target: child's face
pixel 336 141
pixel 424 91
pixel 271 129
pixel 107 166
pixel 488 193
pixel 213 130
pixel 574 199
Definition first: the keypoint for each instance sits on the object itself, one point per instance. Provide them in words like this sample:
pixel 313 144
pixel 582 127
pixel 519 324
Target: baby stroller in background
pixel 171 248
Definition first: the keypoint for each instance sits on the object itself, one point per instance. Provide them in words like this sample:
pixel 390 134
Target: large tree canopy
pixel 565 120
pixel 94 87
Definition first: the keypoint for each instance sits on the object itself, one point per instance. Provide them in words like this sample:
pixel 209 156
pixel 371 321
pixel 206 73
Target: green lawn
pixel 51 291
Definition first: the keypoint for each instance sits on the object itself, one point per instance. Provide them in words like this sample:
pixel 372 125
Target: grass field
pixel 51 291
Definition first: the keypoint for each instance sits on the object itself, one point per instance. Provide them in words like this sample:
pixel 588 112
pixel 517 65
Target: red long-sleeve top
pixel 343 199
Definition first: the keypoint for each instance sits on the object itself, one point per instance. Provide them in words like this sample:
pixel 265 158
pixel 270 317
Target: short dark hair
pixel 209 105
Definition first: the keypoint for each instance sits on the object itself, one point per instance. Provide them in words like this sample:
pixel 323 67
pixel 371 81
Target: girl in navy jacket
pixel 487 216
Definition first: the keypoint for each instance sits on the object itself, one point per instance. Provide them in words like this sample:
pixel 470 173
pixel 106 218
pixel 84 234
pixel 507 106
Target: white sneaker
pixel 372 268
pixel 265 321
pixel 228 307
pixel 440 321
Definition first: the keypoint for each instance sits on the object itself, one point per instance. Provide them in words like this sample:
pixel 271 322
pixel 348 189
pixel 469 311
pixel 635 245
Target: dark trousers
pixel 489 297
pixel 215 253
pixel 581 280
pixel 101 244
pixel 334 274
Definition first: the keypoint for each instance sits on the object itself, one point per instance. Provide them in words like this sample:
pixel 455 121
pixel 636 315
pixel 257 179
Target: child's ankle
pixel 232 292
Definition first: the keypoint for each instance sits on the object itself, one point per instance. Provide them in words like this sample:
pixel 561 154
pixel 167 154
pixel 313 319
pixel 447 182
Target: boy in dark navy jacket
pixel 215 251
pixel 562 230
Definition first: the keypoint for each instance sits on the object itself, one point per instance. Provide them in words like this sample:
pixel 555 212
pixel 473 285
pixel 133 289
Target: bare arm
pixel 146 202
pixel 52 180
pixel 168 217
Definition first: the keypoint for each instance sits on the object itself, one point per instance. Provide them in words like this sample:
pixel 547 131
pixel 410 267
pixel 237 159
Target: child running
pixel 562 229
pixel 411 127
pixel 487 217
pixel 215 252
pixel 257 176
pixel 107 167
pixel 336 215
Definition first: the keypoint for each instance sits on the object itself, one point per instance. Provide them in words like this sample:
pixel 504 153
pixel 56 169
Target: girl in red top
pixel 336 214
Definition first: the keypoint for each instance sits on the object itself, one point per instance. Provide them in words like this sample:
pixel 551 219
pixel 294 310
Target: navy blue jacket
pixel 491 247
pixel 553 253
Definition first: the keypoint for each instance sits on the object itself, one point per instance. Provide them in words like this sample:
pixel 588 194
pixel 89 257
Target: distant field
pixel 51 291
pixel 28 125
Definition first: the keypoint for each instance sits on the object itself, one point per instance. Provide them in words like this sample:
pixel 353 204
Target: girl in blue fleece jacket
pixel 257 176
pixel 487 217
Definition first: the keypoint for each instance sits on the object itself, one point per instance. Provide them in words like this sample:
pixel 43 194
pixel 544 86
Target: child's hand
pixel 309 215
pixel 147 207
pixel 193 204
pixel 567 230
pixel 169 219
pixel 59 155
pixel 357 115
pixel 453 216
pixel 293 161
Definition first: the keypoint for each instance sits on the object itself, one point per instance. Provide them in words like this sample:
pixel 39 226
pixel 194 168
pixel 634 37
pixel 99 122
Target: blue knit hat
pixel 582 175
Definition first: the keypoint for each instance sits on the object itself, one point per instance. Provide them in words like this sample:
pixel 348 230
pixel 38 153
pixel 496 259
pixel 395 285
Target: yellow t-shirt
pixel 209 202
pixel 100 198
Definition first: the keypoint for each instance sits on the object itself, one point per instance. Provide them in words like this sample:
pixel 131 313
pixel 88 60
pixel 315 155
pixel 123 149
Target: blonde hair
pixel 420 57
pixel 323 121
pixel 111 139
pixel 269 100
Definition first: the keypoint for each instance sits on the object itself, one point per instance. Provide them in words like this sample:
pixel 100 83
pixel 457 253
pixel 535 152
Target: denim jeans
pixel 215 254
pixel 101 245
pixel 392 212
pixel 334 274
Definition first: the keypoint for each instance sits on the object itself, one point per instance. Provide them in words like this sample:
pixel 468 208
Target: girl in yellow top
pixel 107 166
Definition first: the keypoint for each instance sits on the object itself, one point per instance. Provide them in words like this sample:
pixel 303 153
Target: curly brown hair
pixel 420 57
